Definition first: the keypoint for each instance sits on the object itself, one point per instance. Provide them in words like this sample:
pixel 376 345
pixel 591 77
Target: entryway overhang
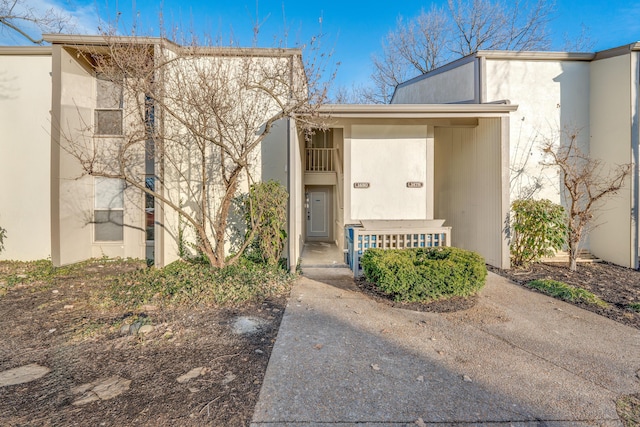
pixel 464 180
pixel 447 112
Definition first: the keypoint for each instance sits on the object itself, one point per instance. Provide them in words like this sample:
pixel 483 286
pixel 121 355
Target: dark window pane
pixel 108 122
pixel 108 226
pixel 109 94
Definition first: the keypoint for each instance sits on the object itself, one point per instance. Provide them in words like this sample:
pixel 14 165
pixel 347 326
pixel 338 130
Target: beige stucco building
pixel 412 175
pixel 593 94
pixel 25 151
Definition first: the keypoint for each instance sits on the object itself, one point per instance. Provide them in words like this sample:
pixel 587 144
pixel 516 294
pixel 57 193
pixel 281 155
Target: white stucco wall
pixel 612 81
pixel 387 157
pixel 25 101
pixel 471 189
pixel 296 194
pixel 452 86
pixel 273 154
pixel 73 192
pixel 552 97
pixel 249 109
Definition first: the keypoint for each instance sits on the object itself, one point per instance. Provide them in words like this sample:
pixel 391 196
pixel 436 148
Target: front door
pixel 318 214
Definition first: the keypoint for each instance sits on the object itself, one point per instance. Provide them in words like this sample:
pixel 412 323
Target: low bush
pixel 538 227
pixel 566 292
pixel 425 274
pixel 188 283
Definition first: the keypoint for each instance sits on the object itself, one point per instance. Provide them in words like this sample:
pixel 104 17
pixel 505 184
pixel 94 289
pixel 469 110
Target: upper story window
pixel 109 102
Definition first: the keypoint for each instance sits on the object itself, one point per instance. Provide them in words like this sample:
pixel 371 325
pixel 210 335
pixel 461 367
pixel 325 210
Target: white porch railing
pixel 320 160
pixel 383 236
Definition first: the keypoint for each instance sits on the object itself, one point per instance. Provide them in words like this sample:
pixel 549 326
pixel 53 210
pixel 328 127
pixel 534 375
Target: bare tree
pixel 585 185
pixel 583 43
pixel 440 35
pixel 199 114
pixel 23 18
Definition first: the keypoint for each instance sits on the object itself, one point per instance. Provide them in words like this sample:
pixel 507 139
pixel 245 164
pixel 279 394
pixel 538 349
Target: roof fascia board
pixel 617 51
pixel 87 39
pixel 101 40
pixel 416 110
pixel 26 50
pixel 535 55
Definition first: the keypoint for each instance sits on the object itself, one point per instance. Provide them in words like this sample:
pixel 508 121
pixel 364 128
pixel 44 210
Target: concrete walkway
pixel 516 358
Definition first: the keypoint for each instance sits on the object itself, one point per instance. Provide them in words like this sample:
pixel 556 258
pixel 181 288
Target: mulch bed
pixel 54 326
pixel 616 285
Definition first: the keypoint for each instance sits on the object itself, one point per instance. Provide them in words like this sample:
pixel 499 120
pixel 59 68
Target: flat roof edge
pixel 101 40
pixel 617 51
pixel 414 110
pixel 536 55
pixel 25 50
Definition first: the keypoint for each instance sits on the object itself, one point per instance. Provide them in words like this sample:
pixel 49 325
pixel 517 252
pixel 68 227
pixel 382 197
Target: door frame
pixel 329 213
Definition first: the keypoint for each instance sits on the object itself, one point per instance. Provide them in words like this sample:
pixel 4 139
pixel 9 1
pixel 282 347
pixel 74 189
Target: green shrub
pixel 634 306
pixel 425 274
pixel 538 227
pixel 566 292
pixel 192 283
pixel 265 213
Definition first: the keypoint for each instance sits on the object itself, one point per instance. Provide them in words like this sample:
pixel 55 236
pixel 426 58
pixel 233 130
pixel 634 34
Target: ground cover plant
pixel 85 323
pixel 565 292
pixel 424 274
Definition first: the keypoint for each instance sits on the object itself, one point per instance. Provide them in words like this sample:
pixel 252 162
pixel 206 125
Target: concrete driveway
pixel 516 358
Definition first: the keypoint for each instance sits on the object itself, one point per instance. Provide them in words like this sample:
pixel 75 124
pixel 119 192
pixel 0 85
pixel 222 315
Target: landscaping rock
pixel 135 327
pixel 102 389
pixel 245 325
pixel 145 329
pixel 229 376
pixel 194 373
pixel 23 374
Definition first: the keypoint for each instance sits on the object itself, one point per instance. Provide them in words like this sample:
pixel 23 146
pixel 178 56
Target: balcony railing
pixel 393 235
pixel 320 160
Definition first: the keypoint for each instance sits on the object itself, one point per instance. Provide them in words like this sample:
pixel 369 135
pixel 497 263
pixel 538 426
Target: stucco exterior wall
pixel 470 188
pixel 387 157
pixel 73 198
pixel 455 85
pixel 552 97
pixel 25 101
pixel 612 81
pixel 73 193
pixel 273 154
pixel 296 194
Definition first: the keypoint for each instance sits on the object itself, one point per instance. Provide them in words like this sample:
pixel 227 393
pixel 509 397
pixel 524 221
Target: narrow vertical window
pixel 109 102
pixel 108 210
pixel 149 209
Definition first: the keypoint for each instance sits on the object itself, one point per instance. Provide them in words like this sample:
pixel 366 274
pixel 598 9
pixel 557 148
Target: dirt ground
pixel 62 327
pixel 55 326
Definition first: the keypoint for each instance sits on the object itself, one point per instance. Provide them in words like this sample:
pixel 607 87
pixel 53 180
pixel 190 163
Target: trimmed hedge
pixel 425 274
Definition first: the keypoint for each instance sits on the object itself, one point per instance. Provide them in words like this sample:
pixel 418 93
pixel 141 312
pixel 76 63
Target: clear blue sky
pixel 353 29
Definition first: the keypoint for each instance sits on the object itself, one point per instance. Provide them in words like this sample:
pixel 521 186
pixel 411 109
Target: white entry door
pixel 318 214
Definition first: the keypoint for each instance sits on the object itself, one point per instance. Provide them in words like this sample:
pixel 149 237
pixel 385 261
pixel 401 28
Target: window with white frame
pixel 108 213
pixel 109 102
